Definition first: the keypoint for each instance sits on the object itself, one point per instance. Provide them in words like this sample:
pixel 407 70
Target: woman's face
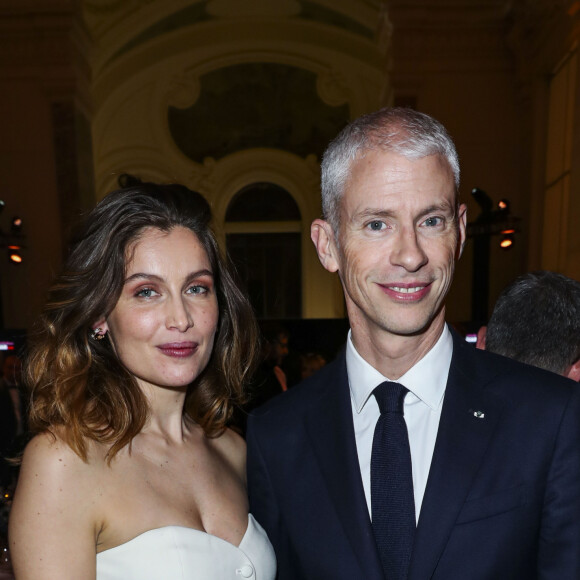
pixel 163 326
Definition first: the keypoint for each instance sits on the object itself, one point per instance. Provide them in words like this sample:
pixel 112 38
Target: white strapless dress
pixel 180 553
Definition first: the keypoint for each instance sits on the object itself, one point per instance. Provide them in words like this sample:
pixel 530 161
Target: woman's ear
pixel 100 328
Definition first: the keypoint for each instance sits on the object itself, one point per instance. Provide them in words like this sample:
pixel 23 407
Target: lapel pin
pixel 479 414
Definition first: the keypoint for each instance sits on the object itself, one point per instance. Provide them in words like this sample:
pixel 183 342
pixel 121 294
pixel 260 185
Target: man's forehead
pixel 390 160
pixel 383 173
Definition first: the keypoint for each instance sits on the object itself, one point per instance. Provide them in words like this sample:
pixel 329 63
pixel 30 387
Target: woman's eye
pixel 197 289
pixel 376 225
pixel 145 292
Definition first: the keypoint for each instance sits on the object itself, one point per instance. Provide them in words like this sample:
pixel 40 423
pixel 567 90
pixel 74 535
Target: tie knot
pixel 390 397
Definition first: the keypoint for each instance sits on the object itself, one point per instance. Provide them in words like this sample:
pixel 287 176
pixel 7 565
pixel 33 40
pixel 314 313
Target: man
pixel 494 445
pixel 536 320
pixel 12 416
pixel 269 379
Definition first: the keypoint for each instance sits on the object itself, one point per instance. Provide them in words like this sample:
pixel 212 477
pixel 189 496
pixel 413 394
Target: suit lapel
pixel 462 439
pixel 331 431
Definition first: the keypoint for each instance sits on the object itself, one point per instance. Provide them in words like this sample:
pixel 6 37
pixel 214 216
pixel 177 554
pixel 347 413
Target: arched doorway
pixel 263 238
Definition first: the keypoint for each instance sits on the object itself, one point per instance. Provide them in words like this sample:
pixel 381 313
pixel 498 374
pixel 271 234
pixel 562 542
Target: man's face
pixel 12 369
pixel 280 349
pixel 398 240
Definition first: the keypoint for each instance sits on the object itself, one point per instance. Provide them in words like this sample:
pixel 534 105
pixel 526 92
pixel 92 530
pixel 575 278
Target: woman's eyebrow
pixel 147 276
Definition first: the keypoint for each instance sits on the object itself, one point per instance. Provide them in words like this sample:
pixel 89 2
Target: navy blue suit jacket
pixel 502 498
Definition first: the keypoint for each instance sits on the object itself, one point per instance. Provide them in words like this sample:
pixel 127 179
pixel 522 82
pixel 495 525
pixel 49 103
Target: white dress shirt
pixel 426 382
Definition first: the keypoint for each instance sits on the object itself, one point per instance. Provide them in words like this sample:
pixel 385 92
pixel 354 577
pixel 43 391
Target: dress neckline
pixel 194 531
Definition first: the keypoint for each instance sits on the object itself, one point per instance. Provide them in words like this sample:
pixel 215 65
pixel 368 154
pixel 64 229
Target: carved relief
pixel 183 91
pixel 100 15
pixel 252 105
pixel 106 7
pixel 235 8
pixel 332 88
pixel 203 179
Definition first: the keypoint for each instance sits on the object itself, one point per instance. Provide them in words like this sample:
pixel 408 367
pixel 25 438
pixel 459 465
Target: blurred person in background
pixel 13 424
pixel 536 320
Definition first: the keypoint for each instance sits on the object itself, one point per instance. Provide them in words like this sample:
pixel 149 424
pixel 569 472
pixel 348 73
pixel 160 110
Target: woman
pixel 143 349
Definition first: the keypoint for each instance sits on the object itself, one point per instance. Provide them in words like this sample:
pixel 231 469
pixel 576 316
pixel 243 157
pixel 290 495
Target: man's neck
pixel 393 355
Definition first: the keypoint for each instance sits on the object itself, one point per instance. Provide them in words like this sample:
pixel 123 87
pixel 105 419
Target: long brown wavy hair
pixel 78 384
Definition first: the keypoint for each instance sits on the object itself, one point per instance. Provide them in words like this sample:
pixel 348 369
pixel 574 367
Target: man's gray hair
pixel 406 132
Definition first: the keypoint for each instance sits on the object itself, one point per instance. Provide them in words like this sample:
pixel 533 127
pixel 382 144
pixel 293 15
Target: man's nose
pixel 408 251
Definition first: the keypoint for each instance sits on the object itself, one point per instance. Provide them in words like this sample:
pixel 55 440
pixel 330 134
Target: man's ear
pixel 462 222
pixel 574 372
pixel 322 236
pixel 481 334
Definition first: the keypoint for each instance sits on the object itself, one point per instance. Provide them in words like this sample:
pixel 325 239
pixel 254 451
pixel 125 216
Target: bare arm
pixel 52 526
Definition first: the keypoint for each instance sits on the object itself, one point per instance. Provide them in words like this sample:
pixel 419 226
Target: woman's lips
pixel 178 349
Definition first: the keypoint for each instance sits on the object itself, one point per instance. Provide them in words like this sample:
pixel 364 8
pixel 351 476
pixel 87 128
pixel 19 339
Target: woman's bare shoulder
pixel 55 512
pixel 48 446
pixel 50 459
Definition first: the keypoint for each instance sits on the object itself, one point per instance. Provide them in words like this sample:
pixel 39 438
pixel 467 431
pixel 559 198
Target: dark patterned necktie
pixel 392 501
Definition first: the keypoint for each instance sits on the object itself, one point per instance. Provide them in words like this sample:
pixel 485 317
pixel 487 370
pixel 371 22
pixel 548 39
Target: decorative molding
pixel 104 8
pixel 384 36
pixel 100 6
pixel 237 9
pixel 203 178
pixel 109 20
pixel 333 88
pixel 184 90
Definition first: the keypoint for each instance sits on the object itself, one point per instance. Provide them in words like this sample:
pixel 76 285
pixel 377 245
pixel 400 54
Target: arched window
pixel 263 226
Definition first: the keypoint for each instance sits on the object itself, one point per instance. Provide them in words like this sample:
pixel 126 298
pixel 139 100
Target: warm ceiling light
pixel 15 258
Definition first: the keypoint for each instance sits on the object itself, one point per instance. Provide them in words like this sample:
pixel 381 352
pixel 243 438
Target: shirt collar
pixel 427 379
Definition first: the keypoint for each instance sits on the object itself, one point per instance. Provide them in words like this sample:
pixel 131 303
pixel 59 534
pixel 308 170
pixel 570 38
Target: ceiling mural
pixel 256 105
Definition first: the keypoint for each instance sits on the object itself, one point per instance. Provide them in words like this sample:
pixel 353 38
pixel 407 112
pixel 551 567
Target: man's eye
pixel 376 225
pixel 433 221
